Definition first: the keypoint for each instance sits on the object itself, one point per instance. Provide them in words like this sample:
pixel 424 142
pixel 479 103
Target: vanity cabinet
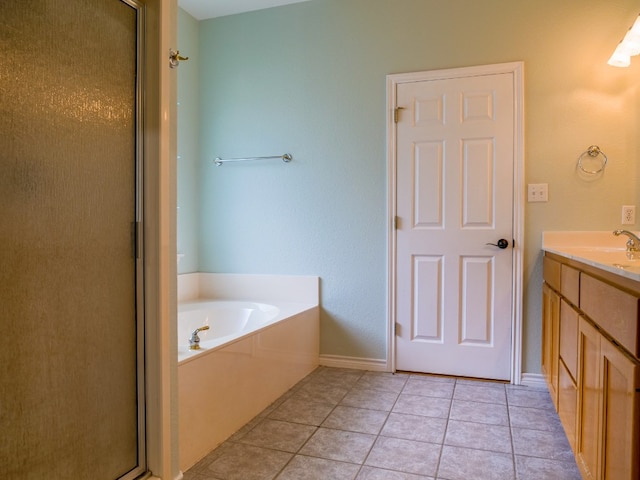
pixel 588 401
pixel 567 370
pixel 591 363
pixel 550 339
pixel 620 453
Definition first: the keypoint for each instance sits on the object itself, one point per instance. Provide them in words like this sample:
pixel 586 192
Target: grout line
pixel 388 414
pixel 317 427
pixel 446 427
pixel 513 448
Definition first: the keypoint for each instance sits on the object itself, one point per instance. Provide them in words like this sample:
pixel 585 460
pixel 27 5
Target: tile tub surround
pixel 340 424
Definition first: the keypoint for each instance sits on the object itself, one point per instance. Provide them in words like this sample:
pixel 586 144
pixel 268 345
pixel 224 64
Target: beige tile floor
pixel 339 424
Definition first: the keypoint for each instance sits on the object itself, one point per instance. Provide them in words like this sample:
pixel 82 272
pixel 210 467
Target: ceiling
pixel 203 9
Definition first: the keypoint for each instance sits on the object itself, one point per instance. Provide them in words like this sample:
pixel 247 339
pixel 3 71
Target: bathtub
pixel 253 352
pixel 228 321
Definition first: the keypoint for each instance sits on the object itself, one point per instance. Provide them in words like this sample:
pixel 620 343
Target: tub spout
pixel 633 244
pixel 194 341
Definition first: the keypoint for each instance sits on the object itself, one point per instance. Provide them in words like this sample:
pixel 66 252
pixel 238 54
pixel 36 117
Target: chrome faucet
pixel 633 244
pixel 194 341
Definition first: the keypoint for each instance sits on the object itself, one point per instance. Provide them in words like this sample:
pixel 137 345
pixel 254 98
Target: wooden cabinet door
pixel 550 337
pixel 568 343
pixel 567 403
pixel 568 370
pixel 620 449
pixel 589 388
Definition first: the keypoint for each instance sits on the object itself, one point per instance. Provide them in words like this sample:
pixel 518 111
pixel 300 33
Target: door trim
pixel 160 147
pixel 393 80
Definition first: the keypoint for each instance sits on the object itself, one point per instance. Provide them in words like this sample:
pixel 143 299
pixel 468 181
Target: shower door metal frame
pixel 138 240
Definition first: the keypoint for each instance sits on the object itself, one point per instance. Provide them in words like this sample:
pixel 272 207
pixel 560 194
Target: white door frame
pixel 160 146
pixel 393 80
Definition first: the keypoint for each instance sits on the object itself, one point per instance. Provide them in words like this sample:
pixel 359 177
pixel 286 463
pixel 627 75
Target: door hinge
pixel 396 113
pixel 396 222
pixel 397 329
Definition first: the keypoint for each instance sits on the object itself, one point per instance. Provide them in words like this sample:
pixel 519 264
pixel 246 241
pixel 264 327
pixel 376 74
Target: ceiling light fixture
pixel 628 47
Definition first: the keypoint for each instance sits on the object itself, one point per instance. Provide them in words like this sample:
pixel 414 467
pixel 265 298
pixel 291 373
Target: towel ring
pixel 593 151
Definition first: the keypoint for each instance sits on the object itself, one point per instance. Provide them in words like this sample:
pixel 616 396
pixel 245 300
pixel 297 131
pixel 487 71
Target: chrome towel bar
pixel 286 158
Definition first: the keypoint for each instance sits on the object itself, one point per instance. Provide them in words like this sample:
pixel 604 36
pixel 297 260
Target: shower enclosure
pixel 71 345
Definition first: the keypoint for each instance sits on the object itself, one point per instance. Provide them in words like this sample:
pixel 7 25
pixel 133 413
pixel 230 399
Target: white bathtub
pixel 252 353
pixel 228 321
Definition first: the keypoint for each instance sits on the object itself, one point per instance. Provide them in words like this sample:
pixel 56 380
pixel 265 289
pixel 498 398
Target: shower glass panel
pixel 70 342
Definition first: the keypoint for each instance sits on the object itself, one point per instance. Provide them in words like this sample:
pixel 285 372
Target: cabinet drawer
pixel 570 284
pixel 551 273
pixel 569 337
pixel 614 310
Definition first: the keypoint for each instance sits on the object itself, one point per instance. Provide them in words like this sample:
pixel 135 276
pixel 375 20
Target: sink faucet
pixel 633 244
pixel 194 341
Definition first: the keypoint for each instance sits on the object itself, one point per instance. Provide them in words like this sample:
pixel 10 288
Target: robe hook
pixel 175 58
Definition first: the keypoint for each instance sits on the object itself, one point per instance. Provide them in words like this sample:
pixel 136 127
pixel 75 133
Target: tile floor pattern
pixel 339 424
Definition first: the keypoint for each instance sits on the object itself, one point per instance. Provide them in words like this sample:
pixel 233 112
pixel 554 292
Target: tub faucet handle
pixel 194 341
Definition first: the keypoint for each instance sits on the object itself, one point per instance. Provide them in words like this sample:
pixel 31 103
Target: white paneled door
pixel 454 230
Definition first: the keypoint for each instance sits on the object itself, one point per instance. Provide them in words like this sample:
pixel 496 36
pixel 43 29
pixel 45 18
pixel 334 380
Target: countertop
pixel 599 249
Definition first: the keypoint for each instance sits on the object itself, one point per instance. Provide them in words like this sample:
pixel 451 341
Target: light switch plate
pixel 538 192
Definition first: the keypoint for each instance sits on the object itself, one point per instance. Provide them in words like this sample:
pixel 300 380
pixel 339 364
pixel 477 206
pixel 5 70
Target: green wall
pixel 188 161
pixel 309 79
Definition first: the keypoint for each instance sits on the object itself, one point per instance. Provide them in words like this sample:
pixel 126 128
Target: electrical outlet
pixel 628 215
pixel 538 192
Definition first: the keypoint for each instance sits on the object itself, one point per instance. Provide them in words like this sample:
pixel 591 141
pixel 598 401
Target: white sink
pixel 618 257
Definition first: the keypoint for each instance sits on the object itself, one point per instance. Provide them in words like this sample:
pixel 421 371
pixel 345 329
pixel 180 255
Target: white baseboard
pixel 534 380
pixel 338 361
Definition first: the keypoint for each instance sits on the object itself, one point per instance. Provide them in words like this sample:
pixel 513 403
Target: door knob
pixel 502 243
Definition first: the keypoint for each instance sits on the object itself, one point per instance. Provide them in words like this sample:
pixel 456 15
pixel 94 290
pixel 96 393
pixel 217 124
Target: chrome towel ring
pixel 593 151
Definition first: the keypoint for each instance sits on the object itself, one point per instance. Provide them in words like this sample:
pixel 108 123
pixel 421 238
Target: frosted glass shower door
pixel 71 404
